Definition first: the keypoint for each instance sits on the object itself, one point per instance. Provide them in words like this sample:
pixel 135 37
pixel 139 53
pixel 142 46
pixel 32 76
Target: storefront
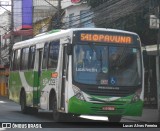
pixel 4 72
pixel 152 77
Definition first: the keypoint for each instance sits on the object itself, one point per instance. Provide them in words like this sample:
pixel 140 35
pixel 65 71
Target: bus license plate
pixel 108 108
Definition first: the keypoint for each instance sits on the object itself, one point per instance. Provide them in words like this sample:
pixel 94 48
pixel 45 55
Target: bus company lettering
pixel 106 38
pixel 45 81
pixel 86 69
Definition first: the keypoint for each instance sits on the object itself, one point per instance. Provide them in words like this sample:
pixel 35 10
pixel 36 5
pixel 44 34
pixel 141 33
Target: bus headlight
pixel 78 93
pixel 136 96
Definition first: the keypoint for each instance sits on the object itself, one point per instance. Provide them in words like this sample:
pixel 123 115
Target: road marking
pixel 95 117
pixel 2 102
pixel 2 129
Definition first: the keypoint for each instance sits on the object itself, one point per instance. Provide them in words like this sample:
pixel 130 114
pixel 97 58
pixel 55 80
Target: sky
pixel 4 2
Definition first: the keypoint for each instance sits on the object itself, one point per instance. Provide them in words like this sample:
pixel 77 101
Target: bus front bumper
pixel 80 107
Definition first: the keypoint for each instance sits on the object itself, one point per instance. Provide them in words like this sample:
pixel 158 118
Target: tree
pixel 130 15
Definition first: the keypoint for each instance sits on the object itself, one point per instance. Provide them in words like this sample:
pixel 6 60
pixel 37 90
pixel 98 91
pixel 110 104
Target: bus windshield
pixel 106 65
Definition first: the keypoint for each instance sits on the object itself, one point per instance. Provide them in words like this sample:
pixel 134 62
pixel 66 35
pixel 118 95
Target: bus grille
pixel 106 92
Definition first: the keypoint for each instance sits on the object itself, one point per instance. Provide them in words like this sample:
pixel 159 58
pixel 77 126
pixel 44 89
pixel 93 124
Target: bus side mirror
pixel 145 58
pixel 69 49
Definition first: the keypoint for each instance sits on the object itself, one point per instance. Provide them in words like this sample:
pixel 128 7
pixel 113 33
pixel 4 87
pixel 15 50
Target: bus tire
pixel 24 108
pixel 33 110
pixel 55 113
pixel 114 118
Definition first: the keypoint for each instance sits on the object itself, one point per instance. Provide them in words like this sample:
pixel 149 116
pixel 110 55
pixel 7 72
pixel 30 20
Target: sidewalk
pixel 3 97
pixel 148 115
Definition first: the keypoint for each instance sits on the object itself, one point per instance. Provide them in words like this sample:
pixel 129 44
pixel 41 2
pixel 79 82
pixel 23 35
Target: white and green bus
pixel 85 71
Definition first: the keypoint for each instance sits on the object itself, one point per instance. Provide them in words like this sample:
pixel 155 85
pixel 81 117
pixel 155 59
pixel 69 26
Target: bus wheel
pixel 114 118
pixel 56 114
pixel 23 102
pixel 33 110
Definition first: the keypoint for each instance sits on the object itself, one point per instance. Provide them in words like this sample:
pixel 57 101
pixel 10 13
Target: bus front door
pixel 39 61
pixel 64 76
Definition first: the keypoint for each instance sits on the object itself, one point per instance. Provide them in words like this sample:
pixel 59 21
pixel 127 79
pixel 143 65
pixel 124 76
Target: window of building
pixel 31 57
pixel 53 54
pixel 24 58
pixel 71 20
pixel 86 18
pixel 45 56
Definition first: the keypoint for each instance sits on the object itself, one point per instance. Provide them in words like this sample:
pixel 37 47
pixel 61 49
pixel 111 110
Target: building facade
pixel 5 23
pixel 4 29
pixel 77 15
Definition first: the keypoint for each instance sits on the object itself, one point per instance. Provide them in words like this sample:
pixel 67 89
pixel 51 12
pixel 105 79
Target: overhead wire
pixel 116 10
pixel 96 9
pixel 114 15
pixel 100 11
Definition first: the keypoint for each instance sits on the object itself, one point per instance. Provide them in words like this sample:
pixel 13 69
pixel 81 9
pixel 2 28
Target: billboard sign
pixel 22 13
pixel 76 1
pixel 17 14
pixel 154 22
pixel 27 7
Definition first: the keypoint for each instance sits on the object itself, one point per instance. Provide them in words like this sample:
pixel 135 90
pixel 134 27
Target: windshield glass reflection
pixel 106 65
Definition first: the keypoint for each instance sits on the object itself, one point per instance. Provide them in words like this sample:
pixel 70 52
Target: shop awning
pixel 19 33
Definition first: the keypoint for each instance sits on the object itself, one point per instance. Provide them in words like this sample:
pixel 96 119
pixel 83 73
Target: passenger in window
pixel 90 60
pixel 81 56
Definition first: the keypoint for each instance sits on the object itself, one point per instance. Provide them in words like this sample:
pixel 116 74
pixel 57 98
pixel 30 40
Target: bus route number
pixel 52 82
pixel 49 82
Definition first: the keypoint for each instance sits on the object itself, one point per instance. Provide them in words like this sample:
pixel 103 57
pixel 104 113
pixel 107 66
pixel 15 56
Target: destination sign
pixel 117 39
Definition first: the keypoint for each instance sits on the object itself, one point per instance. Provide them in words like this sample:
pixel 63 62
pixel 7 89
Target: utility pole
pixel 155 4
pixel 59 14
pixel 12 30
pixel 12 23
pixel 0 49
pixel 158 65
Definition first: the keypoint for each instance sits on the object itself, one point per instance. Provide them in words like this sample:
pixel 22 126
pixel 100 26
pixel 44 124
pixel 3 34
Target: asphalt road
pixel 10 112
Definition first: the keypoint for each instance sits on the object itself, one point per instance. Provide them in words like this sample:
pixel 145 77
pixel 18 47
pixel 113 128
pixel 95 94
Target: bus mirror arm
pixel 145 61
pixel 69 49
pixel 64 77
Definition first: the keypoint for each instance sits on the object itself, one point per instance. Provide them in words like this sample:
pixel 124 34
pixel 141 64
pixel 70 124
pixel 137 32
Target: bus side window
pixel 31 57
pixel 13 61
pixel 45 56
pixel 24 59
pixel 53 54
pixel 16 60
